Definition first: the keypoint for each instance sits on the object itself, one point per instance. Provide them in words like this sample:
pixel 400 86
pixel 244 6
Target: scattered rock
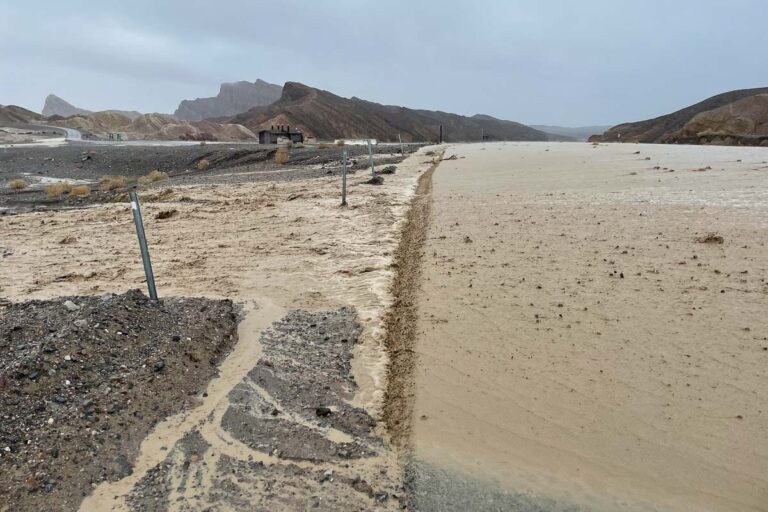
pixel 166 214
pixel 71 306
pixel 710 238
pixel 376 180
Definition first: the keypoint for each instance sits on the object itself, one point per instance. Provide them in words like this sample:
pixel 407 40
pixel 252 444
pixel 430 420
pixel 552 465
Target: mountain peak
pixel 233 98
pixel 56 106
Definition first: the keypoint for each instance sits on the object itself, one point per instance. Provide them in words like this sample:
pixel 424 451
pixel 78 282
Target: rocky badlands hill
pixel 233 98
pixel 152 127
pixel 11 114
pixel 734 117
pixel 327 116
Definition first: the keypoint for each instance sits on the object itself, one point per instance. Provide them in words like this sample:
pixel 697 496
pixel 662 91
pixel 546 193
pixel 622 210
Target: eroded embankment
pixel 400 320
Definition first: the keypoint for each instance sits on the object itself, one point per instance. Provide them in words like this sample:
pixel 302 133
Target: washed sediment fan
pixel 84 379
pixel 288 434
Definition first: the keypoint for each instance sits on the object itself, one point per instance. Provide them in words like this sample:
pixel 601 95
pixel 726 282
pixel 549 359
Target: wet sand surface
pixel 292 421
pixel 582 344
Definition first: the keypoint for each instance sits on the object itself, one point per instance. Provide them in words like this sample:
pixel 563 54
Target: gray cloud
pixel 557 62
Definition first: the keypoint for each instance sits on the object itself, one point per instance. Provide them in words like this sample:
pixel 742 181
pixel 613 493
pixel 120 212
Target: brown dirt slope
pixel 659 129
pixel 327 116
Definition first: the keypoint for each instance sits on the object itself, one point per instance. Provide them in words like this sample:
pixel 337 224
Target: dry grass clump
pixel 17 184
pixel 152 177
pixel 203 164
pixel 281 157
pixel 58 189
pixel 80 191
pixel 339 143
pixel 322 145
pixel 112 183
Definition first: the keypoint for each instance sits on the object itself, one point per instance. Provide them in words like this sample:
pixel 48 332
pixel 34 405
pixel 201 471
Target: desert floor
pixel 581 344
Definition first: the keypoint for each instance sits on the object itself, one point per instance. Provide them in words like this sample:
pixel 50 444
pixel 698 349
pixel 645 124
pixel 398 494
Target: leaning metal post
pixel 344 178
pixel 143 245
pixel 370 158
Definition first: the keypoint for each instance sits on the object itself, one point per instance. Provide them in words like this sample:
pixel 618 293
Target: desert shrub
pixel 80 191
pixel 430 153
pixel 322 145
pixel 339 143
pixel 17 184
pixel 281 157
pixel 58 189
pixel 298 145
pixel 112 182
pixel 203 143
pixel 203 164
pixel 153 177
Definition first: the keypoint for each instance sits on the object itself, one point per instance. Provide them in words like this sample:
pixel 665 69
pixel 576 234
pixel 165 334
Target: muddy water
pixel 578 348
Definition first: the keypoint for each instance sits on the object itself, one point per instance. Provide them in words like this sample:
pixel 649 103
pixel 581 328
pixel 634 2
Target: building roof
pixel 280 132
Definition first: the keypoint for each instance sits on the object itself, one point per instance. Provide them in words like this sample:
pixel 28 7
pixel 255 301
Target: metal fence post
pixel 399 138
pixel 344 178
pixel 370 158
pixel 143 245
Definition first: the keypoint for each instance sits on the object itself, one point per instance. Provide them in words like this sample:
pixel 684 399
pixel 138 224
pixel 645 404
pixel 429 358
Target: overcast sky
pixel 561 62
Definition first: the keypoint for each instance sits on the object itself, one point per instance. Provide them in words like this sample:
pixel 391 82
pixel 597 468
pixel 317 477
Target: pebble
pixel 81 323
pixel 71 306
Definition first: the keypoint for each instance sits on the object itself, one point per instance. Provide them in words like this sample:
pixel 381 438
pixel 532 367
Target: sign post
pixel 344 178
pixel 143 245
pixel 370 159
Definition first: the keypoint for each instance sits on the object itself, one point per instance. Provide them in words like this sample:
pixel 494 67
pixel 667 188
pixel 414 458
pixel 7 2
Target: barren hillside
pixel 660 129
pixel 326 116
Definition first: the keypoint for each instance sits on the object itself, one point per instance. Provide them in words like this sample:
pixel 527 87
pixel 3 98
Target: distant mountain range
pixel 580 133
pixel 327 116
pixel 233 98
pixel 736 117
pixel 242 108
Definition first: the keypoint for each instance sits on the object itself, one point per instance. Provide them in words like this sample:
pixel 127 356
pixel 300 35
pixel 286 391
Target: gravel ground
pixel 83 163
pixel 84 379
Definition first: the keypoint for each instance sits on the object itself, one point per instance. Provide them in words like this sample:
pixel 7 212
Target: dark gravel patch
pixel 241 163
pixel 305 367
pixel 84 379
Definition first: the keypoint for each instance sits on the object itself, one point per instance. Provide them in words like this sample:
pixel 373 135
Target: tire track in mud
pixel 400 320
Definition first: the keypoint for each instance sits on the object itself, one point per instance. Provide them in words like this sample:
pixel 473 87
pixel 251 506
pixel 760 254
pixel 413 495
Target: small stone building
pixel 278 134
